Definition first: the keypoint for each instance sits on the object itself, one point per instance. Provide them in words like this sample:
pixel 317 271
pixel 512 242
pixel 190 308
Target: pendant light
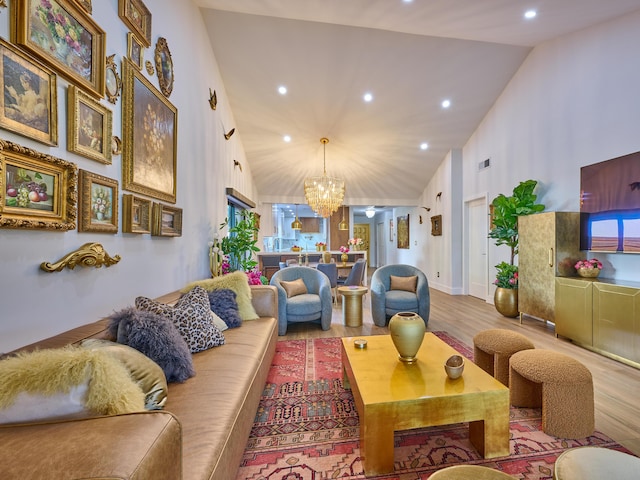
pixel 343 225
pixel 324 194
pixel 296 224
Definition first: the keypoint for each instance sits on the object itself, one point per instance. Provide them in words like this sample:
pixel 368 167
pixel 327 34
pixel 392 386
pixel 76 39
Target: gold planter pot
pixel 589 272
pixel 506 301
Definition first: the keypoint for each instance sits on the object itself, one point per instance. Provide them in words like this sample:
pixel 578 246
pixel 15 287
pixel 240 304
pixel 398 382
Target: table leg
pixel 491 435
pixel 376 444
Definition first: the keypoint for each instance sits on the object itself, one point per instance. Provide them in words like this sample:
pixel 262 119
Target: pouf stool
pixel 561 385
pixel 469 472
pixel 590 463
pixel 493 348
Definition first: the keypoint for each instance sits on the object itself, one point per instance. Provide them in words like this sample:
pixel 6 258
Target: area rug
pixel 307 428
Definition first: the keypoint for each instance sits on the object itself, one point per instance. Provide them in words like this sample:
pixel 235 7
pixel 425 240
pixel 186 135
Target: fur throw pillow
pixel 236 281
pixel 223 303
pixel 158 338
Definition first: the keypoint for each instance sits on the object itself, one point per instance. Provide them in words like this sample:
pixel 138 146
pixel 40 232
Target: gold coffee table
pixel 391 395
pixel 352 304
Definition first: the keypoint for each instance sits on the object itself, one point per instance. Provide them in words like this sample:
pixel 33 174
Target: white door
pixel 477 247
pixel 381 253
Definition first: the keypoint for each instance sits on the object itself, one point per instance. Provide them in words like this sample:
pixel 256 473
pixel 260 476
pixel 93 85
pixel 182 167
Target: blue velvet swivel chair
pixel 386 302
pixel 306 301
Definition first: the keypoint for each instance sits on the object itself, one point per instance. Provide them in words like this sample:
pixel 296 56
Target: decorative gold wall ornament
pixel 88 255
pixel 227 136
pixel 324 194
pixel 236 163
pixel 149 66
pixel 3 4
pixel 164 66
pixel 113 82
pixel 116 145
pixel 213 99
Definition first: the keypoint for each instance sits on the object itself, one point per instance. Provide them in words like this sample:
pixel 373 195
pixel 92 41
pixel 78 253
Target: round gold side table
pixel 352 305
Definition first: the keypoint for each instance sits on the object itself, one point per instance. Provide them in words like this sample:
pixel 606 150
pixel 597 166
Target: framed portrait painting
pixel 29 104
pixel 403 231
pixel 63 35
pixel 90 125
pixel 150 131
pixel 98 203
pixel 137 17
pixel 136 214
pixel 166 221
pixel 37 191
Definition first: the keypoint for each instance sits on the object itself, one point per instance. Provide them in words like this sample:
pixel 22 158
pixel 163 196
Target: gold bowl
pixel 296 249
pixel 454 366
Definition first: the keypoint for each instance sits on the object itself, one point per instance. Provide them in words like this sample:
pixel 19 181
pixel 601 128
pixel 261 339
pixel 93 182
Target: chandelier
pixel 324 194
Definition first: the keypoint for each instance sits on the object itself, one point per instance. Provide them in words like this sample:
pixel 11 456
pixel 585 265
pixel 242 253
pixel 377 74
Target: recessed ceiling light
pixel 367 97
pixel 529 14
pixel 407 1
pixel 287 138
pixel 424 146
pixel 446 103
pixel 282 90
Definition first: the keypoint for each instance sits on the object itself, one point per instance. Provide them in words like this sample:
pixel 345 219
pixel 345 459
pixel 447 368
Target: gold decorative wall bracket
pixel 88 255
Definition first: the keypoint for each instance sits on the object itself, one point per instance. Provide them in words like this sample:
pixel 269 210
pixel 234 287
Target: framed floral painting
pixel 63 35
pixel 150 131
pixel 29 104
pixel 136 16
pixel 98 203
pixel 90 126
pixel 37 190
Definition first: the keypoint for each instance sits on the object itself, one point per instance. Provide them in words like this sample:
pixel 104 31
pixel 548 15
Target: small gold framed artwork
pixel 136 16
pixel 136 214
pixel 166 221
pixel 98 203
pixel 135 50
pixel 113 82
pixel 436 225
pixel 89 129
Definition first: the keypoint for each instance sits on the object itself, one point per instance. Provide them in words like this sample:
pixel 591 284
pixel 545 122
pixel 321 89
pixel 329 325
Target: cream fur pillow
pixel 236 281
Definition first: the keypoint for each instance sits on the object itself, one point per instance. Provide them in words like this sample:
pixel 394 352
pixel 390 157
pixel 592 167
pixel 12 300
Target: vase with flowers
pixel 321 246
pixel 355 243
pixel 344 257
pixel 589 268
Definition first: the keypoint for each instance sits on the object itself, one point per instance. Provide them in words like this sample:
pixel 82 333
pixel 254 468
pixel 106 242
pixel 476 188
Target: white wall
pixel 575 101
pixel 35 304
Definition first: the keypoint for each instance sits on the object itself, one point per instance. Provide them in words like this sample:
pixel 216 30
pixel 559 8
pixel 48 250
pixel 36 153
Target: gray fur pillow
pixel 223 303
pixel 156 337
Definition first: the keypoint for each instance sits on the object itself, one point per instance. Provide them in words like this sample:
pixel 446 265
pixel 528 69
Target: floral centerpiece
pixel 344 257
pixel 355 242
pixel 344 249
pixel 507 276
pixel 321 246
pixel 589 268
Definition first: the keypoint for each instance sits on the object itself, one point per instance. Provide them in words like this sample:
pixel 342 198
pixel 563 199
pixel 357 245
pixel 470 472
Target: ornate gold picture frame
pixel 29 105
pixel 65 37
pixel 37 191
pixel 85 5
pixel 403 231
pixel 166 221
pixel 135 50
pixel 98 203
pixel 136 214
pixel 137 17
pixel 90 126
pixel 150 132
pixel 164 67
pixel 113 82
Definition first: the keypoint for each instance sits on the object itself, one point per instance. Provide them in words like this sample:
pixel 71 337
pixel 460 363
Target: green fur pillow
pixel 236 281
pixel 63 382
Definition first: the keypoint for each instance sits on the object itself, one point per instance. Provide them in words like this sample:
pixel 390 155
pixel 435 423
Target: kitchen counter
pixel 269 262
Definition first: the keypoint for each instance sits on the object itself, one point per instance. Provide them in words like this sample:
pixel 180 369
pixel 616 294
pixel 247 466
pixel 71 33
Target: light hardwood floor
pixel 616 385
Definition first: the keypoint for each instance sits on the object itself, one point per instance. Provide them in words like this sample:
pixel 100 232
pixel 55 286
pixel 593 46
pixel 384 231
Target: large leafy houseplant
pixel 240 245
pixel 505 226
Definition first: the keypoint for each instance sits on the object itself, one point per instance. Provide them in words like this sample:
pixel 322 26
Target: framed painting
pixel 37 191
pixel 135 50
pixel 113 82
pixel 166 221
pixel 29 104
pixel 403 231
pixel 137 17
pixel 149 131
pixel 98 203
pixel 64 36
pixel 90 125
pixel 136 214
pixel 436 225
pixel 85 5
pixel 164 67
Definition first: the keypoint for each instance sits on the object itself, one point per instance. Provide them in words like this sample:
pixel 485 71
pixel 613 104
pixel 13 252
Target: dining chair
pixel 331 271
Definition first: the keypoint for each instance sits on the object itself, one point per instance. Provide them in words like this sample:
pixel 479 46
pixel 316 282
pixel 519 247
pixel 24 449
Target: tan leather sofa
pixel 201 433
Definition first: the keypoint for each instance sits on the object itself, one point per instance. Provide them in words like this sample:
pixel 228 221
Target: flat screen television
pixel 610 205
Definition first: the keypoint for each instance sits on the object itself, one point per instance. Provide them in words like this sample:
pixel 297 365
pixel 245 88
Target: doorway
pixel 476 247
pixel 361 230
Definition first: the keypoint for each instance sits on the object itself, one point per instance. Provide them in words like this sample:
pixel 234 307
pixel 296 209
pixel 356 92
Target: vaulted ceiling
pixel 410 56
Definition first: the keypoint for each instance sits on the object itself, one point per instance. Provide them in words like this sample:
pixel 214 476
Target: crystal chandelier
pixel 324 194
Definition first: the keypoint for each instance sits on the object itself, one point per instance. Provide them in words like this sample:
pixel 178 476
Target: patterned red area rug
pixel 307 428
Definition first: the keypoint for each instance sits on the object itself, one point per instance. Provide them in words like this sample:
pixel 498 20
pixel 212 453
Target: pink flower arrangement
pixel 344 249
pixel 589 264
pixel 256 278
pixel 355 241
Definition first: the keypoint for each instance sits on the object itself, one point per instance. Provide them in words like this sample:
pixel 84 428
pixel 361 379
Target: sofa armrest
pixel 265 300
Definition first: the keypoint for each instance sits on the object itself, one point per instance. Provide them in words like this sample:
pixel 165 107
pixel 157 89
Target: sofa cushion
pixel 66 381
pixel 144 371
pixel 158 338
pixel 408 284
pixel 236 281
pixel 400 300
pixel 223 303
pixel 191 315
pixel 294 287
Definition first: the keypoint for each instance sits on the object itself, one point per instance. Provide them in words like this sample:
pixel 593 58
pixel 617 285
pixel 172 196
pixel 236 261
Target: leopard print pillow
pixel 192 317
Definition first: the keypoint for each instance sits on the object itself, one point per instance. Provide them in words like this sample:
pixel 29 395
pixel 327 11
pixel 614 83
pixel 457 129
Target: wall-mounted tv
pixel 610 205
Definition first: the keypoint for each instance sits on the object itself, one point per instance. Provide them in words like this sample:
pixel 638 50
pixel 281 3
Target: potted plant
pixel 505 232
pixel 240 245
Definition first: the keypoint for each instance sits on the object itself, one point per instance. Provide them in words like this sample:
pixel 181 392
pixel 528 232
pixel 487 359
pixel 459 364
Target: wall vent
pixel 484 164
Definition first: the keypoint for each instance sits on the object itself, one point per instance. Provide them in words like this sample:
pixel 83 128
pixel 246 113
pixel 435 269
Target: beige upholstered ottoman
pixel 493 348
pixel 561 385
pixel 590 463
pixel 469 472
